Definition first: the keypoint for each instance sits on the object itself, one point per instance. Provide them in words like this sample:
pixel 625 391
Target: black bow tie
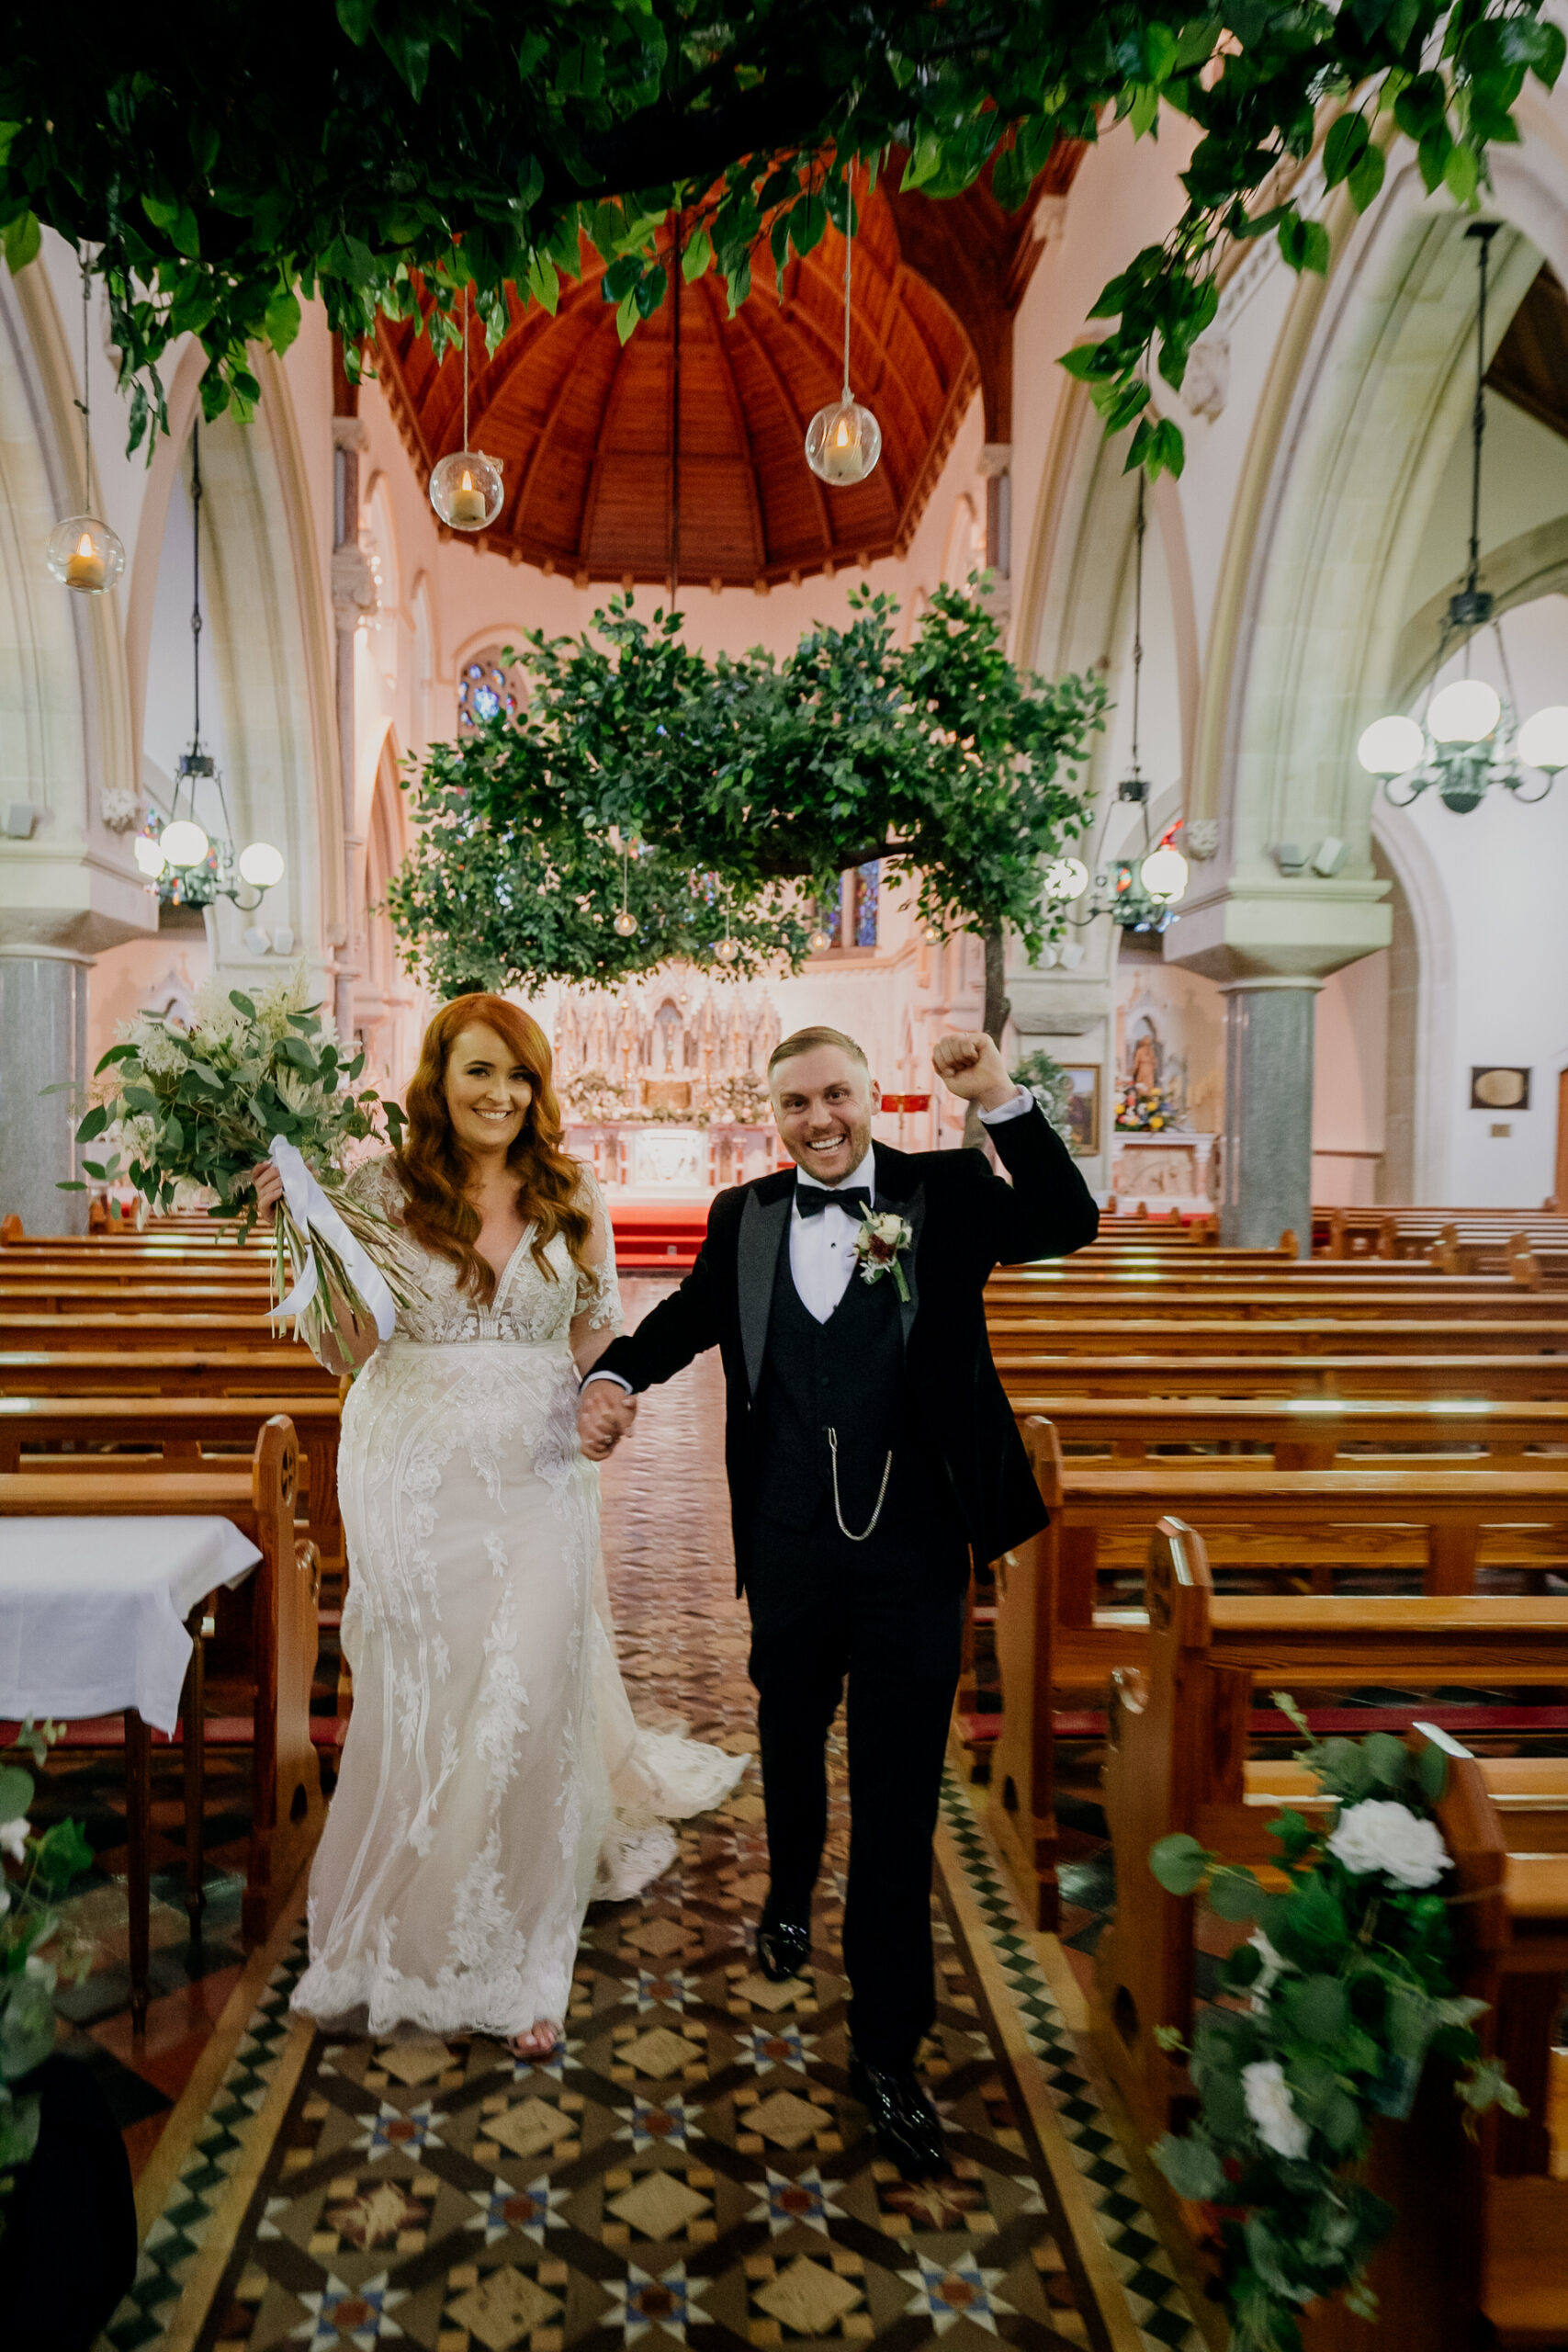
pixel 810 1200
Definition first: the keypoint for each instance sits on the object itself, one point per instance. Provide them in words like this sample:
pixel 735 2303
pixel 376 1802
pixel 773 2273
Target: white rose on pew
pixel 1268 2096
pixel 14 1837
pixel 1381 1834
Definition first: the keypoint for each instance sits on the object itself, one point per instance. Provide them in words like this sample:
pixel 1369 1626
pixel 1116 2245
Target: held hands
pixel 969 1066
pixel 605 1412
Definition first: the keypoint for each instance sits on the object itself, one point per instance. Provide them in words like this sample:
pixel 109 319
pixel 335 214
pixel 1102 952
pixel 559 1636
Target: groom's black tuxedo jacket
pixel 965 1221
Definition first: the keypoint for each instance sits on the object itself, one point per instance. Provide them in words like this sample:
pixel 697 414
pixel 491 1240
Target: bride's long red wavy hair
pixel 435 1167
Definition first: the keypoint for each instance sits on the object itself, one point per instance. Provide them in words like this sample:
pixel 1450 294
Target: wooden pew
pixel 1179 1749
pixel 1433 1522
pixel 1447 1300
pixel 265 1640
pixel 1024 1341
pixel 1399 1379
pixel 141 1329
pixel 1481 2244
pixel 180 1427
pixel 283 1370
pixel 1297 1433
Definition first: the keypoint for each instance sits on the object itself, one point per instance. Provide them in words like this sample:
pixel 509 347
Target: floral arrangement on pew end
pixel 30 1920
pixel 254 1079
pixel 1346 1992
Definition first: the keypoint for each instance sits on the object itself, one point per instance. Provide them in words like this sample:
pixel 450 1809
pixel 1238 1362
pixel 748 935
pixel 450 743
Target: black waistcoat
pixel 846 1374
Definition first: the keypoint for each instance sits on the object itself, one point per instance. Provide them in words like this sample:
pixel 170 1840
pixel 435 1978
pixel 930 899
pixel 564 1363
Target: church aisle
pixel 691 2168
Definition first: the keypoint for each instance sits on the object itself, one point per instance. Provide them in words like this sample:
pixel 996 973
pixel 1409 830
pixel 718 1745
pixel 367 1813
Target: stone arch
pixel 388 1000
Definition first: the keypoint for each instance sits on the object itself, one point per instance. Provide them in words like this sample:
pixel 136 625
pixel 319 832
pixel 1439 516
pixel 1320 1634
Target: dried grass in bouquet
pixel 255 1079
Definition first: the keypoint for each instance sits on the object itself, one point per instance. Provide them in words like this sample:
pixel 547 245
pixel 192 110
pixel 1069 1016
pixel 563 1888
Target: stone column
pixel 354 600
pixel 1266 1151
pixel 43 1042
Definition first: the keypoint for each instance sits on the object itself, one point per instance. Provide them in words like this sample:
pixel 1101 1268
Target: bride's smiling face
pixel 488 1093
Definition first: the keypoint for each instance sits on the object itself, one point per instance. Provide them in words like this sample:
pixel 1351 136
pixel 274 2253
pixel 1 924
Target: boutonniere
pixel 883 1237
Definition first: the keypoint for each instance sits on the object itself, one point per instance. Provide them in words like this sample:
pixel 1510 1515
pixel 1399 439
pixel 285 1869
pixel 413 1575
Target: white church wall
pixel 1499 871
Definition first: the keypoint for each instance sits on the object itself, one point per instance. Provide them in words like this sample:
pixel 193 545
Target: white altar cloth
pixel 93 1611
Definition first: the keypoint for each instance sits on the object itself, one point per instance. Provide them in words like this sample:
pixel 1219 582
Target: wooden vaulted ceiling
pixel 584 425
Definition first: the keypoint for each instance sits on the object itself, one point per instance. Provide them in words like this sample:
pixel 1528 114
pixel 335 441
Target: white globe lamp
pixel 184 844
pixel 261 865
pixel 1389 746
pixel 1465 712
pixel 1544 738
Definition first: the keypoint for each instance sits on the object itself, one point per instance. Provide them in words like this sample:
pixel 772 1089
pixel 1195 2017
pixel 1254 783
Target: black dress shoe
pixel 902 2116
pixel 783 1947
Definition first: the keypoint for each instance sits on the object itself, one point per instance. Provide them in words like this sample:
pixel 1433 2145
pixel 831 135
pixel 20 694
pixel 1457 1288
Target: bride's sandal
pixel 541 2040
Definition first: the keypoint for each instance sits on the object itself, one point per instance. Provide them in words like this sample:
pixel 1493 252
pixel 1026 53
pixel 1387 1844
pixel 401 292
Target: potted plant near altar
pixel 67 2214
pixel 1324 2020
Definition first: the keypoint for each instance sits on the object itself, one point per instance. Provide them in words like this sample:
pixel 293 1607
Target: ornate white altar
pixel 661 1085
pixel 1174 1168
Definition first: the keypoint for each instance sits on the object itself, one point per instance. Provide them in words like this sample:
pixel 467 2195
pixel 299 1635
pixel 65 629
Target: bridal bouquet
pixel 254 1079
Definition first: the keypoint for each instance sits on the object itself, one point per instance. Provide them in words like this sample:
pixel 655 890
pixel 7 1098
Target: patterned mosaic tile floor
pixel 691 2168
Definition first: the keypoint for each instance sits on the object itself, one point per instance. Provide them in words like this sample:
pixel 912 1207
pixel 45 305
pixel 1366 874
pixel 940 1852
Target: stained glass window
pixel 866 883
pixel 485 689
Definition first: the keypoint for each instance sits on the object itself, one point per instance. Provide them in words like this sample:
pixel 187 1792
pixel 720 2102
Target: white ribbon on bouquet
pixel 308 1205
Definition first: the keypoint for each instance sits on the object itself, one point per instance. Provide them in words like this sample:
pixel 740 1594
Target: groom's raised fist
pixel 969 1066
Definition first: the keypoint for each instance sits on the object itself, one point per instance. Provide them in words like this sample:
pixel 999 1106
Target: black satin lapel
pixel 915 1210
pixel 757 1256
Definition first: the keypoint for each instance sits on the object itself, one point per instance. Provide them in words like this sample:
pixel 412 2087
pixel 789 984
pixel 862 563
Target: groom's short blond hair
pixel 805 1039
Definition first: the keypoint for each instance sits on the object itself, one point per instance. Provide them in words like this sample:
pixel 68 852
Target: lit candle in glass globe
pixel 465 490
pixel 818 943
pixel 626 923
pixel 727 951
pixel 843 441
pixel 85 554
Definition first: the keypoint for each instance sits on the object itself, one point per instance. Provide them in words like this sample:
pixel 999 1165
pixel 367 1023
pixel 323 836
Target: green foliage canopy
pixel 747 786
pixel 223 164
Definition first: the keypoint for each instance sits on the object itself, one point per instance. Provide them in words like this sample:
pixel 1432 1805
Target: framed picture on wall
pixel 1083 1109
pixel 1494 1087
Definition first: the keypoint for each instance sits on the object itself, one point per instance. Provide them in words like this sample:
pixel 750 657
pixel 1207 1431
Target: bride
pixel 493 1780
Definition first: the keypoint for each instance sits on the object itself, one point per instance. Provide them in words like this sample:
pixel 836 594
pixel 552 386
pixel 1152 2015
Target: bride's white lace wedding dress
pixel 493 1780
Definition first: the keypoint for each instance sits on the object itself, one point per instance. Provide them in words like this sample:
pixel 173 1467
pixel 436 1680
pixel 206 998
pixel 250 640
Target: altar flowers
pixel 253 1079
pixel 1325 2019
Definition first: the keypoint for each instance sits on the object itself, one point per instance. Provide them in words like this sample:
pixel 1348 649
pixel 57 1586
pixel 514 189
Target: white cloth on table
pixel 93 1611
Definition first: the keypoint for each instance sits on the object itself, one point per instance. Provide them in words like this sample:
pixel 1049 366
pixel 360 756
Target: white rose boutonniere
pixel 884 1236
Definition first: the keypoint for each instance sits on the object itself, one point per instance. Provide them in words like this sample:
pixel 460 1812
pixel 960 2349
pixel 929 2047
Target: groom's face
pixel 823 1101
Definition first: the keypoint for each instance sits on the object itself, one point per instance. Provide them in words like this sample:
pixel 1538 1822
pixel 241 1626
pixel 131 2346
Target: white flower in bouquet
pixel 1381 1834
pixel 1268 2096
pixel 191 1112
pixel 1274 1966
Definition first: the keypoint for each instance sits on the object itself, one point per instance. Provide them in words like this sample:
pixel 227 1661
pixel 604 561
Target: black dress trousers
pixel 886 1618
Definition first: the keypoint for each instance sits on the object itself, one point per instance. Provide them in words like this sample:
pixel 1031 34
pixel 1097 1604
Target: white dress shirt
pixel 822 1249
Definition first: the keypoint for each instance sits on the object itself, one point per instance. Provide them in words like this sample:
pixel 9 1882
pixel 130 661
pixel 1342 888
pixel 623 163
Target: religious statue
pixel 707 1039
pixel 569 1037
pixel 628 1039
pixel 1145 1060
pixel 666 1036
pixel 599 1038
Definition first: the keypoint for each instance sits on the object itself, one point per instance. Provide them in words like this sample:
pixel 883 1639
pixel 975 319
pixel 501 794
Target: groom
pixel 871 1454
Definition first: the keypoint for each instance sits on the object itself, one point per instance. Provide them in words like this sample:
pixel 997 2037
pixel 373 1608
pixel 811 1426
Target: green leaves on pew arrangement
pixel 1331 2011
pixel 35 1948
pixel 438 154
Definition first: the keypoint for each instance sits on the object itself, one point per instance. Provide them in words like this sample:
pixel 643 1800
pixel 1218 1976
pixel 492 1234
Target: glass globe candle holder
pixel 843 441
pixel 625 925
pixel 85 555
pixel 261 865
pixel 727 951
pixel 818 943
pixel 465 490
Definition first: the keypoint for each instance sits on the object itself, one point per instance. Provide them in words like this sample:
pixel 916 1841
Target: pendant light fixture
pixel 843 441
pixel 1466 739
pixel 82 552
pixel 1137 893
pixel 626 924
pixel 181 862
pixel 465 488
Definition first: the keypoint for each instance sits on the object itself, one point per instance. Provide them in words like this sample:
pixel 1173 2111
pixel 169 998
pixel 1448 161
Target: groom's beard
pixel 832 1167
